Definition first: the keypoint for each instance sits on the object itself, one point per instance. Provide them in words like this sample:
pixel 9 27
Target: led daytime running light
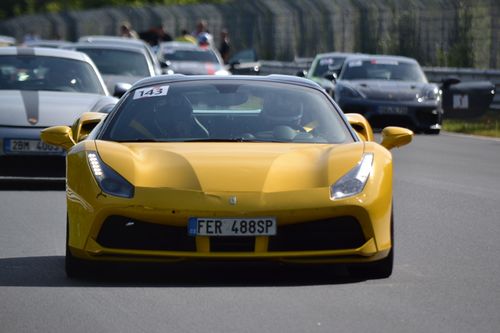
pixel 95 165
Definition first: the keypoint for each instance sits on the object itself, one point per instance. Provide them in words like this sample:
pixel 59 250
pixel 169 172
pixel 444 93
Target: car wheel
pixel 380 269
pixel 74 267
pixel 432 131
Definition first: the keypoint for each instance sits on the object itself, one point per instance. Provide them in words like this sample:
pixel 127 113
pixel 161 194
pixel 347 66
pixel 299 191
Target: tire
pixel 74 267
pixel 380 269
pixel 432 131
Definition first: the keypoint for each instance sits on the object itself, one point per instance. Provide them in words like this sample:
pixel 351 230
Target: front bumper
pixel 153 227
pixel 418 116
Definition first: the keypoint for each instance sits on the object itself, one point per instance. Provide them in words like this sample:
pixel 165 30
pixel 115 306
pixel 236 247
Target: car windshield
pixel 327 64
pixel 382 69
pixel 227 111
pixel 191 55
pixel 118 62
pixel 27 72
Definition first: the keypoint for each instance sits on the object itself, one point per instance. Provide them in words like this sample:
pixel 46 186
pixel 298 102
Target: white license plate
pixel 258 226
pixel 393 110
pixel 30 146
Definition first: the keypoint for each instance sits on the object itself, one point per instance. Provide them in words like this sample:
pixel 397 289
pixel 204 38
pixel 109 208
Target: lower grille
pixel 331 234
pixel 232 244
pixel 125 233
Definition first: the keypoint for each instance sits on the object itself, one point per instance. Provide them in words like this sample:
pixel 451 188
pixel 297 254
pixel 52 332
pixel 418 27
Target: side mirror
pixel 447 82
pixel 361 126
pixel 82 127
pixel 331 76
pixel 121 88
pixel 60 136
pixel 302 73
pixel 396 137
pixel 165 64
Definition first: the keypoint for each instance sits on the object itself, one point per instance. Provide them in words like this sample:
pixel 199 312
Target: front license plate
pixel 259 226
pixel 30 146
pixel 393 110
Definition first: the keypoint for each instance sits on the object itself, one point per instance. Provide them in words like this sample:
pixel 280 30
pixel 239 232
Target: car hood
pixel 44 108
pixel 195 68
pixel 236 167
pixel 388 90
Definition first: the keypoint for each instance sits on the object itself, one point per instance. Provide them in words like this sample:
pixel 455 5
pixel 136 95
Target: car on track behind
pixel 229 168
pixel 190 59
pixel 41 87
pixel 325 67
pixel 131 42
pixel 120 65
pixel 389 90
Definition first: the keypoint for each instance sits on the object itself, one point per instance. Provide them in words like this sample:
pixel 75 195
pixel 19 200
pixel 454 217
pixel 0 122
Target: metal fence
pixel 435 32
pixel 434 74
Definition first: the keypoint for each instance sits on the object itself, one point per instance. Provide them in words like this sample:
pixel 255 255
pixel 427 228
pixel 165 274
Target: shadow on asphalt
pixel 48 271
pixel 32 184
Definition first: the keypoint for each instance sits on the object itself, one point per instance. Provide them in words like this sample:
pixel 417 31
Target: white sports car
pixel 42 87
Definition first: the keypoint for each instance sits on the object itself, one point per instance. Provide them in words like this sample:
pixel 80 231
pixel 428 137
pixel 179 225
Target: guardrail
pixel 434 74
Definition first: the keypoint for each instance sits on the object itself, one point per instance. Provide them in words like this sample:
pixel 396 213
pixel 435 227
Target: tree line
pixel 13 8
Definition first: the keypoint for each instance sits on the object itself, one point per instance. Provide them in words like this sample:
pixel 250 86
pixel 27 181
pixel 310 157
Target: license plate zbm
pixel 261 226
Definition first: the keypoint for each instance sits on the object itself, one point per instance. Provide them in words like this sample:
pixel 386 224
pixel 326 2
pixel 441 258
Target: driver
pixel 173 117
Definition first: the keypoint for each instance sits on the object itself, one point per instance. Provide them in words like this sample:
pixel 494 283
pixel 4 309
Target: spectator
pixel 202 33
pixel 203 40
pixel 186 37
pixel 155 35
pixel 127 31
pixel 225 45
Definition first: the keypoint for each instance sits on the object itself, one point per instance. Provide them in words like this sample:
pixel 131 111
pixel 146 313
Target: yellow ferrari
pixel 228 169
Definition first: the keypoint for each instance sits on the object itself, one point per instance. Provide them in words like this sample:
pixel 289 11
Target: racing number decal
pixel 151 92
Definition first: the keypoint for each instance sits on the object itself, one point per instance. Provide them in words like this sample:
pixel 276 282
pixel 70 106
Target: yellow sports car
pixel 228 168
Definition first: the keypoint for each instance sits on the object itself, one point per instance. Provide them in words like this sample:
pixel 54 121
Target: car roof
pixel 103 46
pixel 336 54
pixel 182 46
pixel 278 78
pixel 106 38
pixel 380 57
pixel 45 51
pixel 47 43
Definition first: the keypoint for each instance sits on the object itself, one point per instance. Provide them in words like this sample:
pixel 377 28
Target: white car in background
pixel 42 87
pixel 120 65
pixel 190 59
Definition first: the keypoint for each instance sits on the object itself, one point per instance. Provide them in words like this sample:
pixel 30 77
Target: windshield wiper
pixel 139 140
pixel 238 139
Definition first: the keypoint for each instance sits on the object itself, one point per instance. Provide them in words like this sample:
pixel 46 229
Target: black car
pixel 389 91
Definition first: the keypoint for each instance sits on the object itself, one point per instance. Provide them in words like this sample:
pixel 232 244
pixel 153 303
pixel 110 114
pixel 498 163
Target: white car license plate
pixel 30 146
pixel 258 226
pixel 402 110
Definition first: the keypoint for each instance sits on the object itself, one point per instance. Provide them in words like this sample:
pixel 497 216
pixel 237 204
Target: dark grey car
pixel 389 91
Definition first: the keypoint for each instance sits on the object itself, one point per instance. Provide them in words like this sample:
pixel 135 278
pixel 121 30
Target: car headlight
pixel 109 180
pixel 343 91
pixel 354 181
pixel 432 94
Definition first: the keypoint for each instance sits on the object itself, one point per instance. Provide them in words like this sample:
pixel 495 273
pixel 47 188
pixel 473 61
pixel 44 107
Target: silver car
pixel 119 64
pixel 42 87
pixel 189 59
